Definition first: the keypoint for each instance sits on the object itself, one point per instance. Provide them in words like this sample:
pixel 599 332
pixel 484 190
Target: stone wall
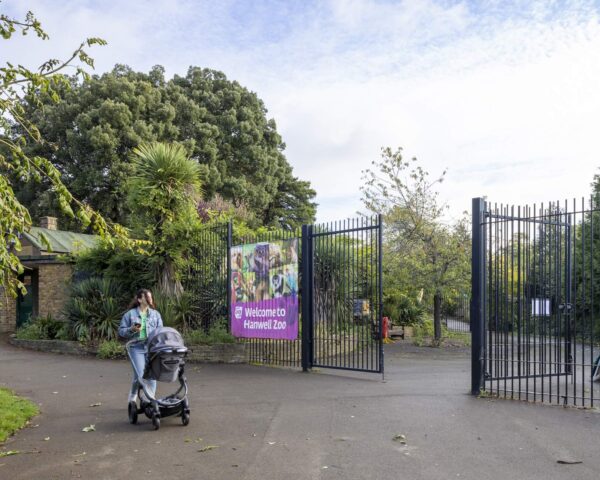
pixel 53 288
pixel 8 312
pixel 52 346
pixel 218 353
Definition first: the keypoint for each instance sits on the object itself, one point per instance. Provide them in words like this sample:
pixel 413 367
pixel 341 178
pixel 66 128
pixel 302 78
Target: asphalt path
pixel 250 422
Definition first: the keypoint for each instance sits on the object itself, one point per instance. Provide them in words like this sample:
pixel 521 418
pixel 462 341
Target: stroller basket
pixel 166 355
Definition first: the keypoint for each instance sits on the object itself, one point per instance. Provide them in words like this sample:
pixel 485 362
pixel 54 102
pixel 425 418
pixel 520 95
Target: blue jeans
pixel 138 352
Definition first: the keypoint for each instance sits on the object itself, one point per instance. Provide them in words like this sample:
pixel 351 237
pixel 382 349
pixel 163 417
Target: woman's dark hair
pixel 142 292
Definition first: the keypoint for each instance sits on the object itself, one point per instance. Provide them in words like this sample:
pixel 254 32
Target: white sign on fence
pixel 540 307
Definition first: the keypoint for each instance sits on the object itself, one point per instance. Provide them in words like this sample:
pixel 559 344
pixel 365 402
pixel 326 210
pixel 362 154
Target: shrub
pixel 29 331
pixel 95 309
pixel 176 312
pixel 402 309
pixel 44 328
pixel 117 264
pixel 111 349
pixel 217 334
pixel 424 329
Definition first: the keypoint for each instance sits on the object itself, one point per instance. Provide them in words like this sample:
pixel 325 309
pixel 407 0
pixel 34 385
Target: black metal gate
pixel 534 331
pixel 342 318
pixel 340 294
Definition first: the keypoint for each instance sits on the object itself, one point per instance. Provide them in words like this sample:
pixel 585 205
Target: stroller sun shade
pixel 166 339
pixel 166 353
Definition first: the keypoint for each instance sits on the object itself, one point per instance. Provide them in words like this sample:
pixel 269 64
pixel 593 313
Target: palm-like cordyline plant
pixel 162 193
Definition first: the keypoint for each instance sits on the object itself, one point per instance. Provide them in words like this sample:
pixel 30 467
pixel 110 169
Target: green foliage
pixel 425 328
pixel 341 278
pixel 21 140
pixel 177 312
pixel 423 255
pixel 16 411
pixel 162 194
pixel 130 269
pixel 30 331
pixel 221 124
pixel 44 328
pixel 402 309
pixel 216 334
pixel 108 349
pixel 95 308
pixel 586 266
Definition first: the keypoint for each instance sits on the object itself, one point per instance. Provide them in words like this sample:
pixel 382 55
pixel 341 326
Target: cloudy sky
pixel 505 94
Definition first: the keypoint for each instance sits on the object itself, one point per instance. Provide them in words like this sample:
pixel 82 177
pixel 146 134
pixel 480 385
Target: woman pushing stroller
pixel 138 323
pixel 156 353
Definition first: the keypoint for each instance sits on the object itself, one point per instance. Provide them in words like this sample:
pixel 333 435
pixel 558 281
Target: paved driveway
pixel 269 423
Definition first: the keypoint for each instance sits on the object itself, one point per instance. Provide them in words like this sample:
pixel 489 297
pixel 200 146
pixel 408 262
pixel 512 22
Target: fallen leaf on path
pixel 98 404
pixel 400 438
pixel 569 462
pixel 271 443
pixel 91 428
pixel 9 453
pixel 79 454
pixel 46 439
pixel 198 440
pixel 207 448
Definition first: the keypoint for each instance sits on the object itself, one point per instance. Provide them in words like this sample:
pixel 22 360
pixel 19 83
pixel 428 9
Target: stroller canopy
pixel 165 338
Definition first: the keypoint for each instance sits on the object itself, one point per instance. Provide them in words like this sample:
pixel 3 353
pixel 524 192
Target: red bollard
pixel 386 326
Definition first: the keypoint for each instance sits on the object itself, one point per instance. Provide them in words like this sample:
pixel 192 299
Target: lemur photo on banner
pixel 264 290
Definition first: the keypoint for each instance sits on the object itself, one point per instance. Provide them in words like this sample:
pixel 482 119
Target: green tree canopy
pixel 222 125
pixel 20 138
pixel 422 252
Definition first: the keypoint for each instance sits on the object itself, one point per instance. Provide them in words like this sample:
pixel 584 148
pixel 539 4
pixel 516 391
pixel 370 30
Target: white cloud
pixel 503 93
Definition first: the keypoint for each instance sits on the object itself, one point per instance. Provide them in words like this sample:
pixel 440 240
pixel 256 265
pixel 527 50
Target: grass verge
pixel 14 413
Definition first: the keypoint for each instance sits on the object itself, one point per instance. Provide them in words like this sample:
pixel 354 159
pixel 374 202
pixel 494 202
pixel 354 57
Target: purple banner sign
pixel 276 318
pixel 264 290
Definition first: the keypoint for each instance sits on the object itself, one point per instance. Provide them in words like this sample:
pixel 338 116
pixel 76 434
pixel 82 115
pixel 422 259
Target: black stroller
pixel 165 363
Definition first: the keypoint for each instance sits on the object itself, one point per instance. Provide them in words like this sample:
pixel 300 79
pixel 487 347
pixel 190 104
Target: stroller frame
pixel 157 408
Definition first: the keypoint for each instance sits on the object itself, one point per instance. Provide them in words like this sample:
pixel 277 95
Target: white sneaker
pixel 133 397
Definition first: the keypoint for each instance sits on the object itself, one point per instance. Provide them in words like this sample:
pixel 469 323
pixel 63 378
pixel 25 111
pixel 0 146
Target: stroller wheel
pixel 156 422
pixel 185 419
pixel 132 410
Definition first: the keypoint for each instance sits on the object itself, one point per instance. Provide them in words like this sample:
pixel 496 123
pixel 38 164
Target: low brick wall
pixel 52 346
pixel 219 353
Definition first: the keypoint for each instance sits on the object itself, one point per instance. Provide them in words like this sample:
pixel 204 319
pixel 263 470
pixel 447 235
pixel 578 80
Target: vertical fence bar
pixel 306 295
pixel 380 291
pixel 228 284
pixel 477 286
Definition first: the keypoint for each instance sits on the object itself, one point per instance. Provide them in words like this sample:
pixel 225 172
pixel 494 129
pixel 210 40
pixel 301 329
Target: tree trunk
pixel 168 283
pixel 437 316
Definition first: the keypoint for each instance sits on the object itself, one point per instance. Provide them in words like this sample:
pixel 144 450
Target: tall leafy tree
pixel 419 246
pixel 20 140
pixel 222 125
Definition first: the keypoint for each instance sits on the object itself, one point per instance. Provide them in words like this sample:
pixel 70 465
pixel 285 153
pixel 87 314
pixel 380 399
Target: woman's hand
pixel 136 328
